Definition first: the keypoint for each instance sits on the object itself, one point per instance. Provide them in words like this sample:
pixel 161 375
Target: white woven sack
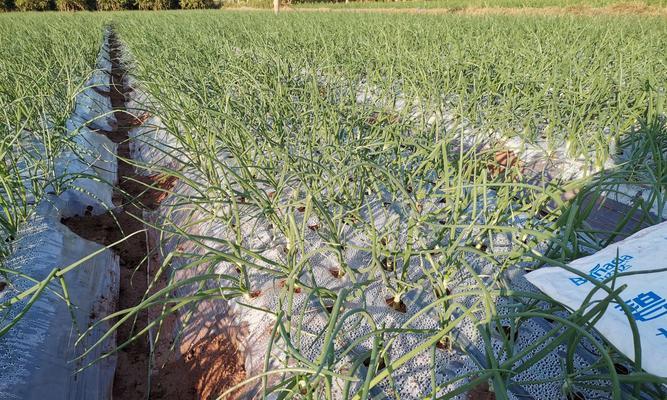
pixel 645 294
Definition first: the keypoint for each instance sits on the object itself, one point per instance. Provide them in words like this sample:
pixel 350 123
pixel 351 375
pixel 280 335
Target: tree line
pixel 104 5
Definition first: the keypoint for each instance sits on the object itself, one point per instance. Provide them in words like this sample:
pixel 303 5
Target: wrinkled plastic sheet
pixel 38 356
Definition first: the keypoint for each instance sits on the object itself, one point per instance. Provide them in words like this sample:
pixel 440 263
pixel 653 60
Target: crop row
pixel 344 183
pixel 44 64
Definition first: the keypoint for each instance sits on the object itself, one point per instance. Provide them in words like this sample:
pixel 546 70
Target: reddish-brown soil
pixel 502 162
pixel 211 364
pixel 481 392
pixel 210 358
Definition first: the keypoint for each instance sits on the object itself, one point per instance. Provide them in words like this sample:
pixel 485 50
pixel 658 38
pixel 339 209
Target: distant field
pixel 459 5
pixel 485 4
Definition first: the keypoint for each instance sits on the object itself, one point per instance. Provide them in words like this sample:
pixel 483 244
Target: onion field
pixel 462 5
pixel 355 199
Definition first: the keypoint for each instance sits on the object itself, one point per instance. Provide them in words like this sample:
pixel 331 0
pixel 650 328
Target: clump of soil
pixel 211 364
pixel 502 162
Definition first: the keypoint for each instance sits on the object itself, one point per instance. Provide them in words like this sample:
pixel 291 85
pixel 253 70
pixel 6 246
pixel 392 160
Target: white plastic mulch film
pixel 49 353
pixel 645 294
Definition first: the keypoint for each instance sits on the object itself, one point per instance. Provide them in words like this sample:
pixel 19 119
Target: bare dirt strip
pixel 210 366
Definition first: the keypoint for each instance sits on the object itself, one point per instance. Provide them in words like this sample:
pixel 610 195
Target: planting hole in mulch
pixel 387 264
pixel 502 161
pixel 329 305
pixel 506 330
pixel 400 306
pixel 621 369
pixel 336 273
pixel 481 392
pixel 283 283
pixel 439 292
pixel 481 246
pixel 544 212
pixel 303 387
pixel 381 364
pixel 576 396
pixel 350 220
pixel 444 344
